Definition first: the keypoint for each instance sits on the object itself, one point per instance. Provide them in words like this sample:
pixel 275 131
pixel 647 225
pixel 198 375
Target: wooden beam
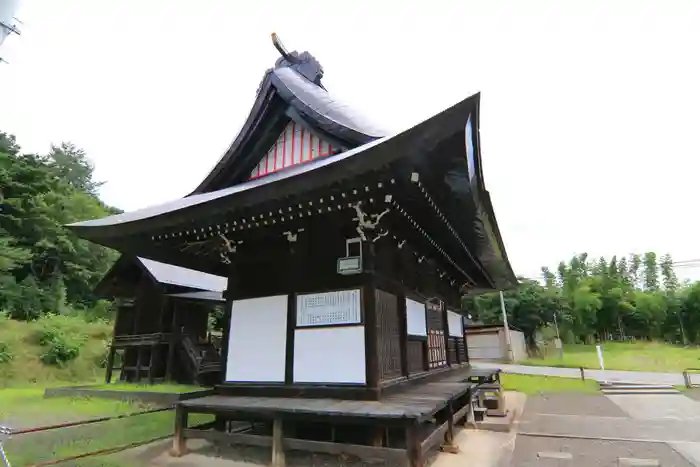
pixel 368 453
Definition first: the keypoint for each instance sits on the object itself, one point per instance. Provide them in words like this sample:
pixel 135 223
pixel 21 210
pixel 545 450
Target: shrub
pixel 61 349
pixel 62 338
pixel 5 352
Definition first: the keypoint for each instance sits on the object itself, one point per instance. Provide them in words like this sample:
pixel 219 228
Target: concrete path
pixel 612 428
pixel 674 379
pixel 659 406
pixel 667 408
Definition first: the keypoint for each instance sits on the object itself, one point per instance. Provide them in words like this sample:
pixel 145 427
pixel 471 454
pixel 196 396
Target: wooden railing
pixel 133 340
pixel 197 362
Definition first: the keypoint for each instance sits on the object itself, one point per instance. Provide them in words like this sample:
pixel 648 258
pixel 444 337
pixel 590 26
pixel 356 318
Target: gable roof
pixel 176 275
pixel 129 269
pixel 291 91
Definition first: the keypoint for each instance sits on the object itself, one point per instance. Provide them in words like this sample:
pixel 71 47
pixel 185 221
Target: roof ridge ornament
pixel 283 50
pixel 303 63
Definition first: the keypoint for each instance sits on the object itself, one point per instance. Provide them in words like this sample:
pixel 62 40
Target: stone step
pixel 616 391
pixel 554 458
pixel 637 462
pixel 565 459
pixel 630 385
pixel 644 387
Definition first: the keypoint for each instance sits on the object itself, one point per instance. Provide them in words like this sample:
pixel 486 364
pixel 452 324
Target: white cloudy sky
pixel 590 109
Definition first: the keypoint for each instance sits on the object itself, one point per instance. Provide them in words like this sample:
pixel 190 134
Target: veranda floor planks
pixel 417 402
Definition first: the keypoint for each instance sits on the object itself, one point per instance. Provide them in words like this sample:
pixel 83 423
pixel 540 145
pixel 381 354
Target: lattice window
pixel 437 353
pixel 388 335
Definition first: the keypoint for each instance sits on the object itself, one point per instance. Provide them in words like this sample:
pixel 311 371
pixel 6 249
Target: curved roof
pixel 437 144
pixel 290 90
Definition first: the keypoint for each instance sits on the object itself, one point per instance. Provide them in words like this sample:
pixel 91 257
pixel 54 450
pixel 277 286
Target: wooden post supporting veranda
pixel 278 459
pixel 448 445
pixel 413 446
pixel 179 441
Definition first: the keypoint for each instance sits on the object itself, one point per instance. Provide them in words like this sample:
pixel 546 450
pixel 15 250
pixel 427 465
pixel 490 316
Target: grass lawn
pixel 634 356
pixel 28 408
pixel 548 384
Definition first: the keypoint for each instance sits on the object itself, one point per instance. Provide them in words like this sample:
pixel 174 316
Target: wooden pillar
pixel 446 332
pixel 278 459
pixel 369 304
pixel 377 436
pixel 122 373
pixel 413 446
pixel 174 333
pixel 110 363
pixel 179 441
pixel 295 271
pixel 448 445
pixel 464 340
pixel 225 332
pixel 152 363
pixel 139 361
pixel 403 333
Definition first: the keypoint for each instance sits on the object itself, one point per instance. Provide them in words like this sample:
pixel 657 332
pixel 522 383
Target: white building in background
pixel 8 22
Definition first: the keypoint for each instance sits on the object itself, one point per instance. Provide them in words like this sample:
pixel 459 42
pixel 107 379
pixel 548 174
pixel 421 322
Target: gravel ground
pixel 593 453
pixel 573 404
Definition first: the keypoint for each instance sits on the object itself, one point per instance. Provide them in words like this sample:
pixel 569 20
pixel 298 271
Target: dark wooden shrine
pixel 346 253
pixel 161 325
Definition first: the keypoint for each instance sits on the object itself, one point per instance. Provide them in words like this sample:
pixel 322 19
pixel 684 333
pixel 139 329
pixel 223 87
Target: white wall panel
pixel 257 340
pixel 415 318
pixel 330 355
pixel 454 323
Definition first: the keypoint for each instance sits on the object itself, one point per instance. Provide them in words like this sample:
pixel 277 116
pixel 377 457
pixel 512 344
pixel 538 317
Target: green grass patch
pixel 27 407
pixel 530 384
pixel 24 355
pixel 164 387
pixel 633 356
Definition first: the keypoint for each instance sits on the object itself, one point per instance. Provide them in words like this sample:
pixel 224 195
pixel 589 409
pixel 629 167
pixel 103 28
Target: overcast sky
pixel 589 123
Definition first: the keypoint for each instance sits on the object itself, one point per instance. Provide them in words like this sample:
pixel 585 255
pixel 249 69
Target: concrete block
pixel 636 462
pixel 555 458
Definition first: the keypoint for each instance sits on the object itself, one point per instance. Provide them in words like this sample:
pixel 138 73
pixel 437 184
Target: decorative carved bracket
pixel 228 247
pixel 369 222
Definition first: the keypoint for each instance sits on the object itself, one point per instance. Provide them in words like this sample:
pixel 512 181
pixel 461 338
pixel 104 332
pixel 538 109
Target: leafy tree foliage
pixel 44 268
pixel 618 298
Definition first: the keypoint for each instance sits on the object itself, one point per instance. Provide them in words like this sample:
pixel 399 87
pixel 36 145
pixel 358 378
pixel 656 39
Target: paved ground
pixel 674 379
pixel 572 404
pixel 592 453
pixel 662 427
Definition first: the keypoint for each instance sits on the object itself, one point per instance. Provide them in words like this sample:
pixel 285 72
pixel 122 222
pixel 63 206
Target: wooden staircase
pixel 201 360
